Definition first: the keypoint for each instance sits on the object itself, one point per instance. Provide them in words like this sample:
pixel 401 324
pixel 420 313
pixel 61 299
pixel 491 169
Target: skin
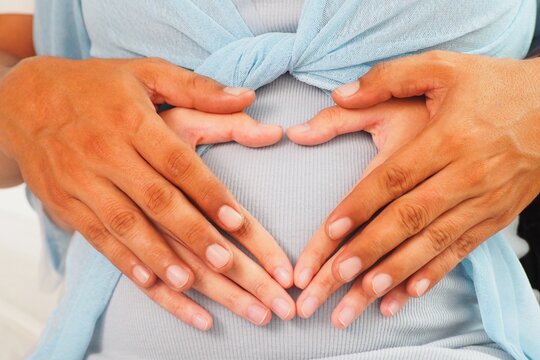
pixel 467 175
pixel 121 177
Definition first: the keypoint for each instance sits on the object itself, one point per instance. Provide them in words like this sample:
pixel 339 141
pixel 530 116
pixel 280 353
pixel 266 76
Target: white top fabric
pixel 16 6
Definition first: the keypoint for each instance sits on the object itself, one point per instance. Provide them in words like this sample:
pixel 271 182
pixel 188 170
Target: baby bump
pixel 290 189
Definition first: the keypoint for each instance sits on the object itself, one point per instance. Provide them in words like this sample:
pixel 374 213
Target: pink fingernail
pixel 393 307
pixel 283 276
pixel 304 278
pixel 350 268
pixel 302 128
pixel 141 274
pixel 309 306
pixel 218 256
pixel 199 322
pixel 230 218
pixel 421 287
pixel 281 307
pixel 381 283
pixel 346 316
pixel 177 276
pixel 339 228
pixel 257 314
pixel 348 89
pixel 236 91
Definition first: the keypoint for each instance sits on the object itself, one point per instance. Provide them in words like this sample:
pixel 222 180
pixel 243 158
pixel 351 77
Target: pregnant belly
pixel 290 189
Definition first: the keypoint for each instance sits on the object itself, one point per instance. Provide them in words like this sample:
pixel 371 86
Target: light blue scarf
pixel 336 41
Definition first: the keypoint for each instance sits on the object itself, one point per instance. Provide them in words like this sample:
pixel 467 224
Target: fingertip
pixel 246 95
pixel 284 276
pixel 391 307
pixel 203 322
pixel 143 277
pixel 303 277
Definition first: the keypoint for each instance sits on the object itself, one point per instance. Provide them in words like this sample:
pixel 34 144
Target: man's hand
pixel 91 146
pixel 466 176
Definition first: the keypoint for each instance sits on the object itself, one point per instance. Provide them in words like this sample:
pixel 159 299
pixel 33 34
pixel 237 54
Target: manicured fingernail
pixel 393 307
pixel 350 268
pixel 348 89
pixel 141 274
pixel 421 287
pixel 309 306
pixel 199 322
pixel 381 283
pixel 218 256
pixel 177 276
pixel 304 278
pixel 283 276
pixel 230 217
pixel 236 91
pixel 339 228
pixel 302 128
pixel 257 314
pixel 346 316
pixel 281 307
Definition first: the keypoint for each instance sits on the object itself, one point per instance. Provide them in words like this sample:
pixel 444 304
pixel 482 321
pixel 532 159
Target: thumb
pixel 199 128
pixel 428 74
pixel 335 121
pixel 171 84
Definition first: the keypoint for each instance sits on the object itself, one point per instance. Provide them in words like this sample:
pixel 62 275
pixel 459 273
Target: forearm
pixel 10 174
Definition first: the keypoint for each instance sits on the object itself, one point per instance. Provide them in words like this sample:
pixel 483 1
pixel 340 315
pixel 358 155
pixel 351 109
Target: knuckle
pixel 397 179
pixel 440 237
pixel 97 235
pixel 413 217
pixel 179 164
pixel 196 231
pixel 463 246
pixel 122 222
pixel 382 69
pixel 261 289
pixel 158 198
pixel 199 83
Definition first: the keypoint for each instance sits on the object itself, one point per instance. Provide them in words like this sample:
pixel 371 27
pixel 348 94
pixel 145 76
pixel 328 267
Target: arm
pixel 12 49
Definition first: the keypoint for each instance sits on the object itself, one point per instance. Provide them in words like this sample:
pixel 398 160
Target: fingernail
pixel 421 287
pixel 393 307
pixel 281 307
pixel 177 276
pixel 381 283
pixel 348 89
pixel 350 268
pixel 257 314
pixel 236 91
pixel 339 228
pixel 218 256
pixel 230 217
pixel 304 278
pixel 309 306
pixel 199 322
pixel 303 128
pixel 141 274
pixel 283 276
pixel 346 316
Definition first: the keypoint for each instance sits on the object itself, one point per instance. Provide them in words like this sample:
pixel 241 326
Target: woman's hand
pixel 91 146
pixel 252 297
pixel 466 176
pixel 391 124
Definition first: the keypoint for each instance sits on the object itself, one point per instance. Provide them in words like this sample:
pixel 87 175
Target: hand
pixel 466 176
pixel 91 146
pixel 391 124
pixel 234 291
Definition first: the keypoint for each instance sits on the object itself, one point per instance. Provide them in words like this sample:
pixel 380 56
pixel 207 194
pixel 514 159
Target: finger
pixel 394 301
pixel 433 272
pixel 224 291
pixel 353 304
pixel 171 84
pixel 183 168
pixel 425 74
pixel 335 121
pixel 127 224
pixel 318 291
pixel 409 215
pixel 180 306
pixel 88 224
pixel 417 251
pixel 198 128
